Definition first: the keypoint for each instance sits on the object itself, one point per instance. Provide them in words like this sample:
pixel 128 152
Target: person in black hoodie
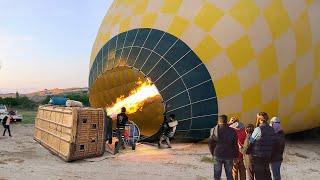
pixel 224 148
pixel 278 149
pixel 122 120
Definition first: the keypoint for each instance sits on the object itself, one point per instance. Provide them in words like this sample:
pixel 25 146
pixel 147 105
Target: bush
pixel 20 102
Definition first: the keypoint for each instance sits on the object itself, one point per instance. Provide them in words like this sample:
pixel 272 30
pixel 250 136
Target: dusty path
pixel 23 158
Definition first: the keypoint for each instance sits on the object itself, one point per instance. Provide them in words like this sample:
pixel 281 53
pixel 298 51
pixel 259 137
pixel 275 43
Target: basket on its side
pixel 72 133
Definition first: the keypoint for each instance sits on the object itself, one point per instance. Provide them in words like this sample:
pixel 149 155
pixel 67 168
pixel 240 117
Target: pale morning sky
pixel 47 43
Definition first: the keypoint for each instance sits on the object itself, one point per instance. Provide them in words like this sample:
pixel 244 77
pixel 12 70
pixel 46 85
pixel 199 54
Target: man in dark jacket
pixel 278 149
pixel 225 147
pixel 122 120
pixel 262 141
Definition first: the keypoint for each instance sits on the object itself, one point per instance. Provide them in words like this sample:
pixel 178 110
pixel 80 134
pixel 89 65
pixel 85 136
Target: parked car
pixel 4 112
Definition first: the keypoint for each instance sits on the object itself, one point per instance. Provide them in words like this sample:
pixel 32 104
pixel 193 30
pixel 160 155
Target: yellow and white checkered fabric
pixel 263 55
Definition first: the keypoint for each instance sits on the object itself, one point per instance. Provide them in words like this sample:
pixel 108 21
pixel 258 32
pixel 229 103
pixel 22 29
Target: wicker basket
pixel 72 133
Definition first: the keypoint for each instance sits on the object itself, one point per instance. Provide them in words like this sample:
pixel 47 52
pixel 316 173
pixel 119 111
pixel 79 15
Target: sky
pixel 46 44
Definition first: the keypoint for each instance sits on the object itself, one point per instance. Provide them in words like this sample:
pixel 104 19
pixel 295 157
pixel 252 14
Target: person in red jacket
pixel 238 169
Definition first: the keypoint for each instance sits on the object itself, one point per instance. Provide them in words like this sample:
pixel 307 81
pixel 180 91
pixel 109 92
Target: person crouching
pixel 169 127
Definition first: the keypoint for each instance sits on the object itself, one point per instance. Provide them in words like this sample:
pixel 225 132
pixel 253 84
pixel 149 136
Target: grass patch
pixel 207 159
pixel 28 116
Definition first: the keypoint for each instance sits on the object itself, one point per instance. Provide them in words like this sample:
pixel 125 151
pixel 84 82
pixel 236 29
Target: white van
pixel 4 112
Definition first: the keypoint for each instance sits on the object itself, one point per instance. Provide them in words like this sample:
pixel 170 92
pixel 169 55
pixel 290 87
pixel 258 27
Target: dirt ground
pixel 22 158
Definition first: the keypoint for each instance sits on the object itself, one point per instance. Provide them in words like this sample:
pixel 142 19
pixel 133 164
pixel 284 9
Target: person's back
pixel 108 127
pixel 122 120
pixel 239 128
pixel 6 124
pixel 224 141
pixel 246 150
pixel 264 144
pixel 226 145
pixel 278 148
pixel 238 169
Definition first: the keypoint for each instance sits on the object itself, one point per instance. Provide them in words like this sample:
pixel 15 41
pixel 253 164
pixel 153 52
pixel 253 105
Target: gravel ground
pixel 22 158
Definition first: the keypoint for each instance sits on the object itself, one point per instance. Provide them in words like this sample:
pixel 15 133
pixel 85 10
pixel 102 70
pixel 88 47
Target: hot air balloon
pixel 211 57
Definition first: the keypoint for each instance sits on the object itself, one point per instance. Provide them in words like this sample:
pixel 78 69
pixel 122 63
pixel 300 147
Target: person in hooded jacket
pixel 246 151
pixel 278 149
pixel 238 169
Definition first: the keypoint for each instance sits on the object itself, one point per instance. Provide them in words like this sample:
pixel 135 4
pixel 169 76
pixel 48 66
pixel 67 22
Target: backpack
pixel 213 139
pixel 4 120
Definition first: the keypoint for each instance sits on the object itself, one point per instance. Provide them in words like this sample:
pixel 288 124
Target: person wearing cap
pixel 247 152
pixel 278 149
pixel 262 142
pixel 238 169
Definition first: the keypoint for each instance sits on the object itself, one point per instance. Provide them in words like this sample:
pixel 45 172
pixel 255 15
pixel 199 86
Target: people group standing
pixel 257 149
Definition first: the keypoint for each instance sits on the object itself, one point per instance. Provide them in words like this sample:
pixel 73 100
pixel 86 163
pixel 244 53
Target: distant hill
pixel 41 95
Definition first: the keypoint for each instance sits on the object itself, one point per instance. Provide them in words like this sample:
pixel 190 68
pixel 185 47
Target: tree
pixel 17 95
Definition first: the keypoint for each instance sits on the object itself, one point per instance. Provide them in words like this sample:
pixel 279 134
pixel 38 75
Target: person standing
pixel 224 148
pixel 6 124
pixel 122 120
pixel 168 129
pixel 238 169
pixel 277 153
pixel 107 127
pixel 262 141
pixel 246 151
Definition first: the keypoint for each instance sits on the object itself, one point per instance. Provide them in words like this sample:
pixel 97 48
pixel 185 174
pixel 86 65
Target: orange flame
pixel 135 101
